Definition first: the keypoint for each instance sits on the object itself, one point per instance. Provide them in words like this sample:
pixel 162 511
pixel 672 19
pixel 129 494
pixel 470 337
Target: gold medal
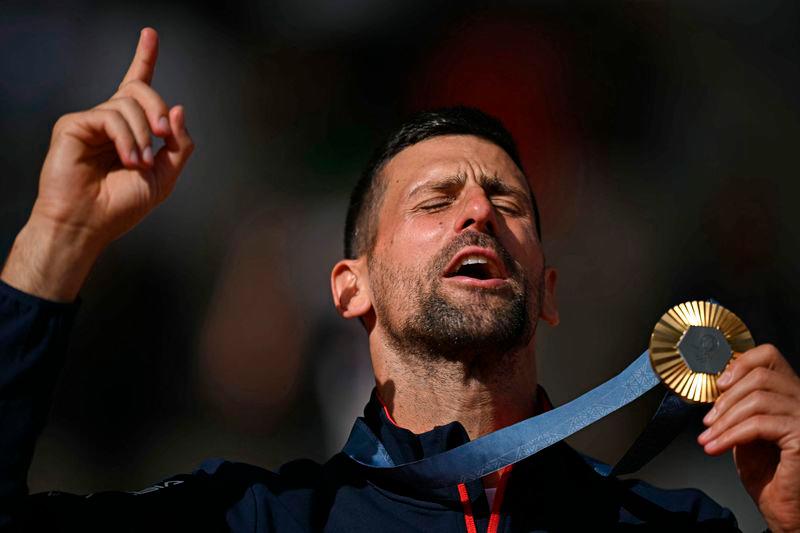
pixel 692 344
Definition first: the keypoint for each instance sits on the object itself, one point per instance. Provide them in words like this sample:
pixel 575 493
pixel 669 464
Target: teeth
pixel 474 260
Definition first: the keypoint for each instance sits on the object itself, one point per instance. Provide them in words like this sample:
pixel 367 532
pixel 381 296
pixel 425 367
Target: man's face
pixel 457 269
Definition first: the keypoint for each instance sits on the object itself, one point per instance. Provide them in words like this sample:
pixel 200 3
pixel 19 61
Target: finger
pixel 764 355
pixel 760 427
pixel 759 378
pixel 758 402
pixel 97 127
pixel 144 60
pixel 169 161
pixel 133 113
pixel 151 102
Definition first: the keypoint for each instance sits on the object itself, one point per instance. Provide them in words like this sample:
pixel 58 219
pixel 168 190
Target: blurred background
pixel 660 138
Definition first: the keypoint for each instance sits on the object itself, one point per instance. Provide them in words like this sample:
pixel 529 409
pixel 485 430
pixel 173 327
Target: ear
pixel 549 310
pixel 350 288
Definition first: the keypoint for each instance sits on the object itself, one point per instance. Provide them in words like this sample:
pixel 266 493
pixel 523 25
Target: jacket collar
pixel 404 446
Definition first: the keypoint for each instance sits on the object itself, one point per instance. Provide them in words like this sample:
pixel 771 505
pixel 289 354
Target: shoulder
pixel 690 500
pixel 285 499
pixel 643 503
pixel 238 477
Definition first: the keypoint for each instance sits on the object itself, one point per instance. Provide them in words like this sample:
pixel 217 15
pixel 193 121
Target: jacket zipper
pixel 494 518
pixel 469 519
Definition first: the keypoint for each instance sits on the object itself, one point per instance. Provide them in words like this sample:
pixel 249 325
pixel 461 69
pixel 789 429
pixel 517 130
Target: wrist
pixel 50 260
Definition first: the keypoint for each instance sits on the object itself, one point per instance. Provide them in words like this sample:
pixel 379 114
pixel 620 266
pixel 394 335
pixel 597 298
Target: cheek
pixel 528 252
pixel 417 238
pixel 534 259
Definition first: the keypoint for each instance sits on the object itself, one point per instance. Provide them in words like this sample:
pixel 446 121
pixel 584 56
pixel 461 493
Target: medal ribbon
pixel 690 344
pixel 512 444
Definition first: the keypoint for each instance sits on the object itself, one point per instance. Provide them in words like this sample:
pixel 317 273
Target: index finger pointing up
pixel 144 61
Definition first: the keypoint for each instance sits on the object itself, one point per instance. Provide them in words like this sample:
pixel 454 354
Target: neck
pixel 483 398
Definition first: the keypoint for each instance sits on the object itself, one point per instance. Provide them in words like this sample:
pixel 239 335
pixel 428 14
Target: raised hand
pixel 758 417
pixel 100 178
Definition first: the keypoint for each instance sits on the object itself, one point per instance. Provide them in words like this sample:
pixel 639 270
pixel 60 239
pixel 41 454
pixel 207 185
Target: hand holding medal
pixel 704 353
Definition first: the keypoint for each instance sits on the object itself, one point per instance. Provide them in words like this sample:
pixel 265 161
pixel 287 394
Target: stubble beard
pixel 479 327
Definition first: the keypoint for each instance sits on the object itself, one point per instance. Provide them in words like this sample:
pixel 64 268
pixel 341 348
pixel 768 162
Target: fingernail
pixel 724 378
pixel 710 416
pixel 163 124
pixel 134 157
pixel 704 435
pixel 147 154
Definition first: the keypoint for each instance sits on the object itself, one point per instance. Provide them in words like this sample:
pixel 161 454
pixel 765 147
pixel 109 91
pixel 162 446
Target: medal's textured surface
pixel 704 349
pixel 691 345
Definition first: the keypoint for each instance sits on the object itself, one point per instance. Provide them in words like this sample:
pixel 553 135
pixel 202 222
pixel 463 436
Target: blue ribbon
pixel 509 445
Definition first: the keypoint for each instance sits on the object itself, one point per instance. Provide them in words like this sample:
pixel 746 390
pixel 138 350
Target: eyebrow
pixel 493 186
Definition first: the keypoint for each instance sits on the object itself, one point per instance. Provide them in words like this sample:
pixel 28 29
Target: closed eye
pixel 436 203
pixel 506 207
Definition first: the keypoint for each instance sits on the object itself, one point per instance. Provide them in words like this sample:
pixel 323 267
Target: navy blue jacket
pixel 555 490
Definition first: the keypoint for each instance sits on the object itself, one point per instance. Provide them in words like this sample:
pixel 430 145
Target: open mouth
pixel 476 263
pixel 474 267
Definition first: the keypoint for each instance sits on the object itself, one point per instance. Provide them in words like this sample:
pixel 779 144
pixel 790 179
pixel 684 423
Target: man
pixel 444 269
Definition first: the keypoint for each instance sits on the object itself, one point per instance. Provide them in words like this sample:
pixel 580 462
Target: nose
pixel 477 213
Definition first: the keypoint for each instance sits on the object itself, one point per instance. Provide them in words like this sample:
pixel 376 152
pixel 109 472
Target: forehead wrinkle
pixel 439 184
pixel 494 185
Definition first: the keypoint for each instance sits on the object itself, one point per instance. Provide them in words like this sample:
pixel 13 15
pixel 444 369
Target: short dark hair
pixel 365 200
